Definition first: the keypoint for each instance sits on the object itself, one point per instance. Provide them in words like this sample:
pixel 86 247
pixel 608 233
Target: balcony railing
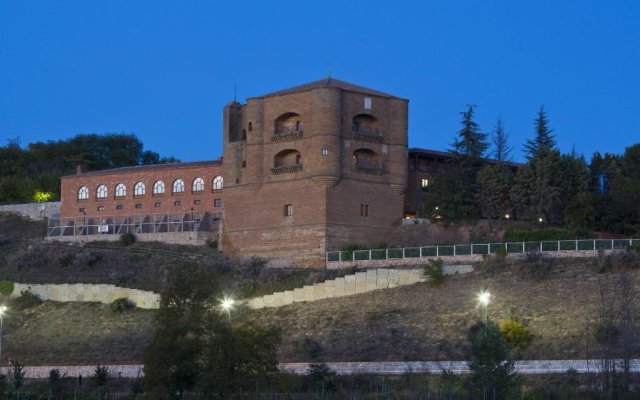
pixel 286 169
pixel 287 134
pixel 371 168
pixel 366 135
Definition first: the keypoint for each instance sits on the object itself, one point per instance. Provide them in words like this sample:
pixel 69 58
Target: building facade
pixel 304 171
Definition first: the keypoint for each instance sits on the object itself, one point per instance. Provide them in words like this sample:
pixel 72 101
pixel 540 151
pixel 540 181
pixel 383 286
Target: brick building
pixel 304 170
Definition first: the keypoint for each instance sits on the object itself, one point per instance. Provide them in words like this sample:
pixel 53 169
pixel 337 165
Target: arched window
pixel 366 161
pixel 198 185
pixel 121 190
pixel 83 193
pixel 139 189
pixel 178 186
pixel 250 126
pixel 365 124
pixel 101 192
pixel 288 123
pixel 287 158
pixel 158 187
pixel 217 183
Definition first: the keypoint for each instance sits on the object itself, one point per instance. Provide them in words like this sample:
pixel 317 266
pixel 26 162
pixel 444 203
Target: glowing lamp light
pixel 484 298
pixel 540 219
pixel 3 309
pixel 507 216
pixel 227 304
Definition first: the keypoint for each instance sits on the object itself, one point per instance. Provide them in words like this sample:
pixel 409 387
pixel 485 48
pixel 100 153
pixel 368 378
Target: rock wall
pixel 87 292
pixel 188 238
pixel 360 282
pixel 36 211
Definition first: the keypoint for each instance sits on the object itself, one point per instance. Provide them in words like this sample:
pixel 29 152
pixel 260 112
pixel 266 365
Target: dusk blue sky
pixel 164 69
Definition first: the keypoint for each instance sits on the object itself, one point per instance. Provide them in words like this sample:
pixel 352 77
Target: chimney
pixel 80 169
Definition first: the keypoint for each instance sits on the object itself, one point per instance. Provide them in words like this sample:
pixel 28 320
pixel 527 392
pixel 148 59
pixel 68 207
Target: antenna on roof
pixel 329 71
pixel 235 91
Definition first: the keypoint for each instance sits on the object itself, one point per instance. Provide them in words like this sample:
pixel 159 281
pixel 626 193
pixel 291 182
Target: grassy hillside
pixel 417 322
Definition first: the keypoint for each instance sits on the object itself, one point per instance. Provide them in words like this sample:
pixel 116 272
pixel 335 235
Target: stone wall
pixel 360 282
pixel 189 238
pixel 527 367
pixel 36 211
pixel 412 261
pixel 81 292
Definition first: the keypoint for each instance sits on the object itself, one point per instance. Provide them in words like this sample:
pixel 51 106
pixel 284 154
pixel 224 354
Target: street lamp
pixel 227 306
pixel 3 309
pixel 483 299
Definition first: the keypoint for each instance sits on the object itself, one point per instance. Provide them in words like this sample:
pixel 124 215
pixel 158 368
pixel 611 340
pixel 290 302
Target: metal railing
pixel 480 249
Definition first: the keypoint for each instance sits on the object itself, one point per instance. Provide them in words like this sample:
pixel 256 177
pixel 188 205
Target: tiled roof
pixel 329 83
pixel 152 167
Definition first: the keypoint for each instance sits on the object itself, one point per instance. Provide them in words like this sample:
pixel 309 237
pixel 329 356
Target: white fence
pixel 481 248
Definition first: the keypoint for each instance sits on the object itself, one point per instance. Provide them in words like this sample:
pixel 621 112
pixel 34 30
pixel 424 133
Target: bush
pixel 516 333
pixel 495 262
pixel 434 272
pixel 213 244
pixel 127 239
pixel 536 265
pixel 537 235
pixel 122 304
pixel 6 288
pixel 26 300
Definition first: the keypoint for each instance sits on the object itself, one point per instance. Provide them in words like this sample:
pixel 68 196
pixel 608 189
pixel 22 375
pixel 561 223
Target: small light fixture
pixel 507 216
pixel 540 219
pixel 484 298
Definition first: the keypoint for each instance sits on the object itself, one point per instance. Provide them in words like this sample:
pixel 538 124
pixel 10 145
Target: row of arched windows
pixel 139 189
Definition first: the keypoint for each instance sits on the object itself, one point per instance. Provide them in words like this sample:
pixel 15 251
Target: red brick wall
pixel 94 207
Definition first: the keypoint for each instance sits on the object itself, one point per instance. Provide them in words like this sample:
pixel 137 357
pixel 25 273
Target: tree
pixel 172 360
pixel 500 140
pixel 494 184
pixel 544 139
pixel 492 372
pixel 237 357
pixel 471 142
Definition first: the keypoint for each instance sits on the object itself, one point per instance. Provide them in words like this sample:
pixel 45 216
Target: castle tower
pixel 310 168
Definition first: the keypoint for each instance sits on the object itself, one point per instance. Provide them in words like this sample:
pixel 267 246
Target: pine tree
pixel 544 140
pixel 500 141
pixel 494 183
pixel 471 142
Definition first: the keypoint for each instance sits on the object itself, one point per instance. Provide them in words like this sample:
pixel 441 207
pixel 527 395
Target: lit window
pixel 101 192
pixel 198 185
pixel 217 183
pixel 83 193
pixel 139 189
pixel 325 152
pixel 178 186
pixel 158 187
pixel 367 103
pixel 82 210
pixel 424 183
pixel 217 202
pixel 100 208
pixel 121 190
pixel 288 210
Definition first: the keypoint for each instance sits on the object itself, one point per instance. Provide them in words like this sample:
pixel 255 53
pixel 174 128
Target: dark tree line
pixel 39 166
pixel 551 187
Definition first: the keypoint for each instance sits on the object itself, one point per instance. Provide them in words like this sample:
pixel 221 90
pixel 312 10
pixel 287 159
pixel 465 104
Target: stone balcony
pixel 286 169
pixel 287 135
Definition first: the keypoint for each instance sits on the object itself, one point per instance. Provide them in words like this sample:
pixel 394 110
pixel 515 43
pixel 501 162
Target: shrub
pixel 537 235
pixel 101 375
pixel 122 304
pixel 6 288
pixel 536 265
pixel 516 333
pixel 127 239
pixel 434 272
pixel 4 387
pixel 213 244
pixel 26 300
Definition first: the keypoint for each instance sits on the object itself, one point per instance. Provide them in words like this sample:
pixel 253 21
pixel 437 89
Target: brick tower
pixel 312 167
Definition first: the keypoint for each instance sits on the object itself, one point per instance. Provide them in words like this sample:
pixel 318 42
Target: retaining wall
pixel 361 282
pixel 527 367
pixel 89 292
pixel 37 211
pixel 189 238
